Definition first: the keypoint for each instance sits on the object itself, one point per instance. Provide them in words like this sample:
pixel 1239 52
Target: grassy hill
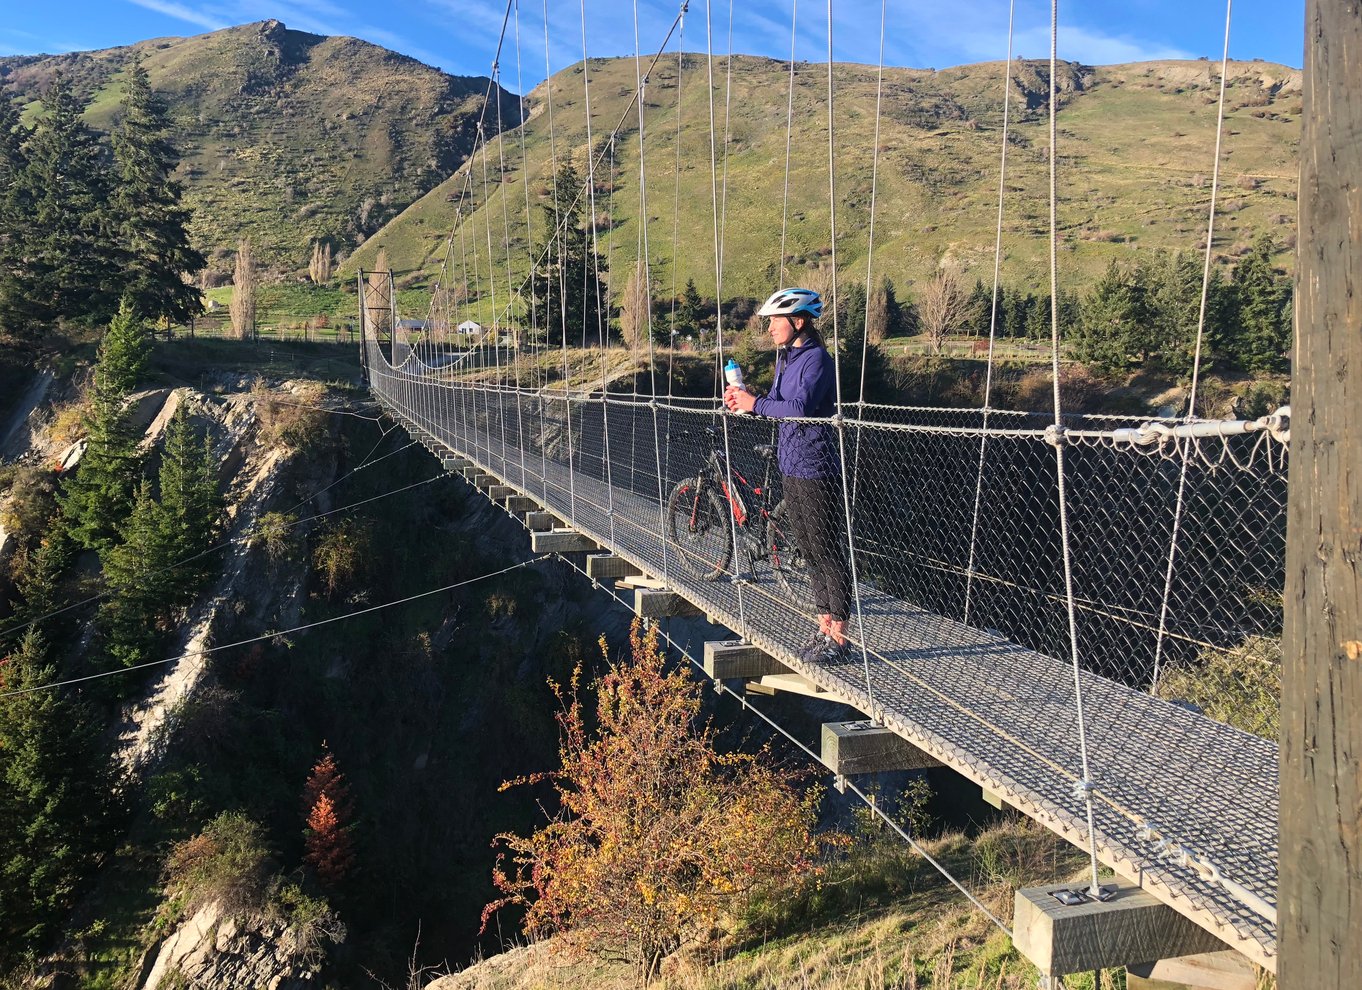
pixel 286 136
pixel 1136 146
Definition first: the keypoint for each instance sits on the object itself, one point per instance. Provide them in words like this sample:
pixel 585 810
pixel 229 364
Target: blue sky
pixel 459 35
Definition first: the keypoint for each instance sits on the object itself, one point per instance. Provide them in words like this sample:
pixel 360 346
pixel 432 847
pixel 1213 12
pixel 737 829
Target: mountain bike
pixel 703 514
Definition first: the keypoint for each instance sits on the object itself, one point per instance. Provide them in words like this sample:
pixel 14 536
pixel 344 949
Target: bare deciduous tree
pixel 877 316
pixel 943 308
pixel 243 291
pixel 634 308
pixel 319 269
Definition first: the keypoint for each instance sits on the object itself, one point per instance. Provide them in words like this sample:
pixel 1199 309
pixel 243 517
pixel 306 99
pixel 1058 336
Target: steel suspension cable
pixel 992 320
pixel 839 423
pixel 646 269
pixel 740 576
pixel 1196 361
pixel 1085 786
pixel 789 134
pixel 593 285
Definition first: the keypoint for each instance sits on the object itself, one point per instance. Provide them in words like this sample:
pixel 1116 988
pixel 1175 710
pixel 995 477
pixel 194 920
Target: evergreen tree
pixel 97 497
pixel 123 354
pixel 56 798
pixel 1017 308
pixel 65 267
pixel 1113 330
pixel 152 225
pixel 978 304
pixel 15 209
pixel 851 344
pixel 1260 340
pixel 190 501
pixel 328 810
pixel 142 588
pixel 568 288
pixel 689 310
pixel 1173 293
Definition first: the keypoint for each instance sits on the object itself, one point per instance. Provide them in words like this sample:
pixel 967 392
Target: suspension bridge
pixel 1029 588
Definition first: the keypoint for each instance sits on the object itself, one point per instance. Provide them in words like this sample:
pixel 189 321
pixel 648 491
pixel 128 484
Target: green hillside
pixel 1136 145
pixel 286 136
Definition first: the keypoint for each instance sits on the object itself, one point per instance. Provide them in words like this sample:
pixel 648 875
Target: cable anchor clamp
pixel 1056 436
pixel 1083 790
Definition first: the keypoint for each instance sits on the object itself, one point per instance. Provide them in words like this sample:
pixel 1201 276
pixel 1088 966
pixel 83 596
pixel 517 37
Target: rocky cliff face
pixel 216 949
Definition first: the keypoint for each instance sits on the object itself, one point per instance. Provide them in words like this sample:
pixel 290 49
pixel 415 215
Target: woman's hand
pixel 739 400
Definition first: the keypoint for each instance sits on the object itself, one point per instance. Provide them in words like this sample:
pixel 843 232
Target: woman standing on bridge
pixel 811 469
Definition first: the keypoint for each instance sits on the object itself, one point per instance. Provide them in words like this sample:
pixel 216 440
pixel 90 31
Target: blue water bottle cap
pixel 731 364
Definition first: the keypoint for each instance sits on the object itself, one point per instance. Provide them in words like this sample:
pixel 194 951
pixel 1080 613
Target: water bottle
pixel 733 375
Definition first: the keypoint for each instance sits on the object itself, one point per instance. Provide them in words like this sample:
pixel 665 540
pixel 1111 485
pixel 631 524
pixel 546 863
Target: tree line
pixel 150 526
pixel 1140 313
pixel 87 225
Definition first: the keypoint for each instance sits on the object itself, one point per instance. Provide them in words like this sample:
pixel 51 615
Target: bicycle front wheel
pixel 699 530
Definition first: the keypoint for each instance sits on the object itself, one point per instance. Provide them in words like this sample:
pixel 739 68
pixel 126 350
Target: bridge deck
pixel 999 713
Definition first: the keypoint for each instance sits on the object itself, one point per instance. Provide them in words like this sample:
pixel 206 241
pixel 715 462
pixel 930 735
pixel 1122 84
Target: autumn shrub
pixel 227 862
pixel 660 841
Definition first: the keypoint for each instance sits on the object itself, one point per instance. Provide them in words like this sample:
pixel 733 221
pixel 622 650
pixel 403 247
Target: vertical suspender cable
pixel 645 262
pixel 838 422
pixel 1057 437
pixel 718 206
pixel 789 133
pixel 593 284
pixel 992 320
pixel 869 258
pixel 513 394
pixel 1188 451
pixel 557 242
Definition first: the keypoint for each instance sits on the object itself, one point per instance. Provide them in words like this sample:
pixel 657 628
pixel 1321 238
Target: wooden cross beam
pixel 561 541
pixel 520 503
pixel 1133 926
pixel 652 603
pixel 607 565
pixel 864 747
pixel 725 659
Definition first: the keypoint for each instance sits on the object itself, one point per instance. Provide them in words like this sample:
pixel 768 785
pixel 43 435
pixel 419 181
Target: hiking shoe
pixel 813 647
pixel 833 651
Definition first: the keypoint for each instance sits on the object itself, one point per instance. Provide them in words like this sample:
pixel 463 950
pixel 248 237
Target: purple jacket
pixel 804 386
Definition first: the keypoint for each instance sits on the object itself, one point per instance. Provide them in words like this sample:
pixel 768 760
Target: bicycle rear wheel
pixel 699 530
pixel 787 560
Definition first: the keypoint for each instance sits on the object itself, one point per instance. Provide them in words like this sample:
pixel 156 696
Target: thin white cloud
pixel 182 13
pixel 1095 48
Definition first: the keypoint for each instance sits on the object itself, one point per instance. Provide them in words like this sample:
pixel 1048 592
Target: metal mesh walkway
pixel 995 705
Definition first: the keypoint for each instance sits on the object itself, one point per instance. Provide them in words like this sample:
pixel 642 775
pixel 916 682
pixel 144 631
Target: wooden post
pixel 1320 892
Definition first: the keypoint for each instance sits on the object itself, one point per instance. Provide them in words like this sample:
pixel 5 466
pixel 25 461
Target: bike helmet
pixel 789 302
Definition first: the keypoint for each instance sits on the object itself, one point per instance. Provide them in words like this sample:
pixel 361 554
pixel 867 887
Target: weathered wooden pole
pixel 1320 910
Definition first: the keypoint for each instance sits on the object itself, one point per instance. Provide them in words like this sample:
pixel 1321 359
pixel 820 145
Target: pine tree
pixel 327 845
pixel 15 208
pixel 1114 320
pixel 1261 341
pixel 326 778
pixel 142 589
pixel 152 225
pixel 124 353
pixel 689 310
pixel 65 267
pixel 96 498
pixel 190 501
pixel 328 809
pixel 568 288
pixel 57 806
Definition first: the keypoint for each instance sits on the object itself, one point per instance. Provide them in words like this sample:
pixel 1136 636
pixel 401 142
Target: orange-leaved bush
pixel 660 841
pixel 328 807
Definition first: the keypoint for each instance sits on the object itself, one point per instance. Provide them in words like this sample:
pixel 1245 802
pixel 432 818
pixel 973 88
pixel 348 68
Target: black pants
pixel 816 517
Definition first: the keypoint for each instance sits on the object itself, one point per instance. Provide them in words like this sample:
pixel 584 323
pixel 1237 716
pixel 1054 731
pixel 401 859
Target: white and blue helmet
pixel 791 302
